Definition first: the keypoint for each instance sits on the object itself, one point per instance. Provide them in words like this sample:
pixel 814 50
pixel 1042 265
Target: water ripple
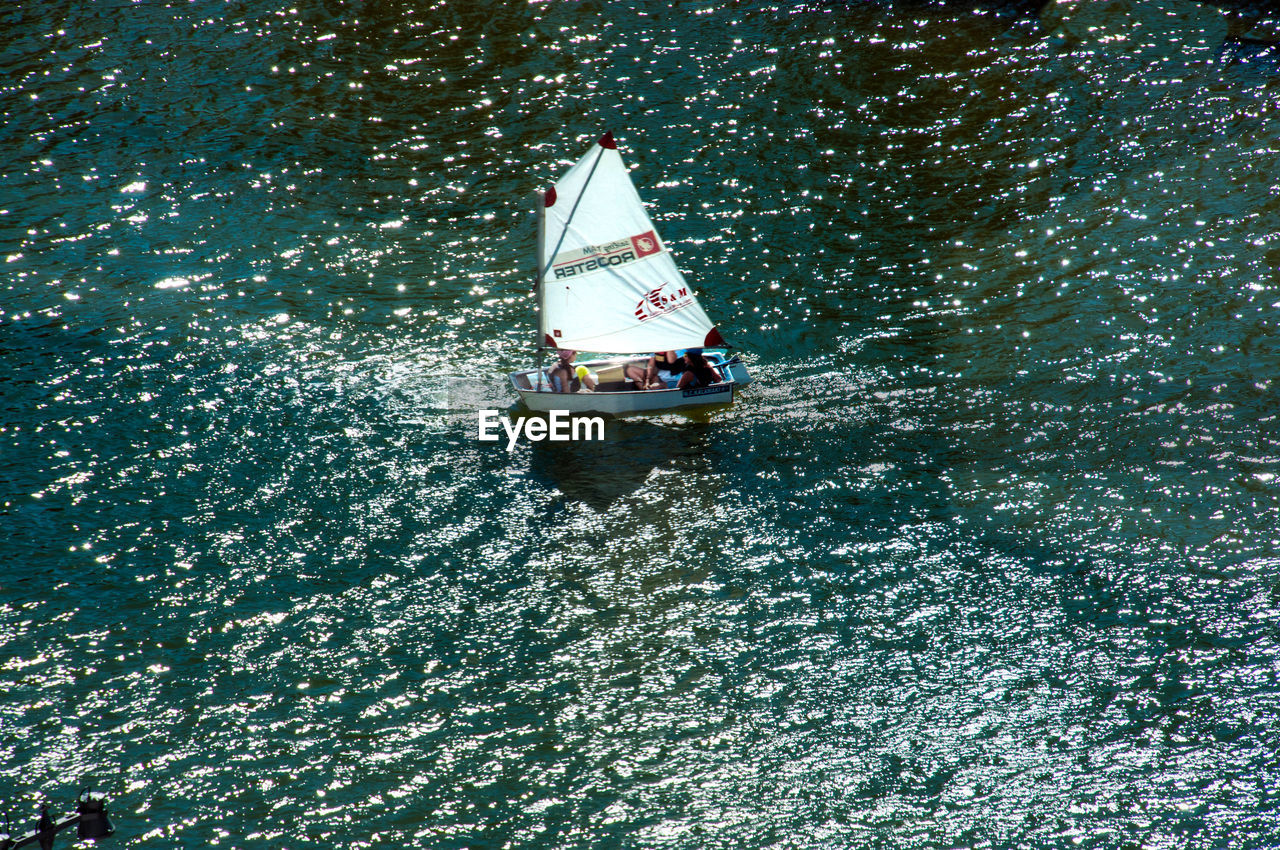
pixel 985 558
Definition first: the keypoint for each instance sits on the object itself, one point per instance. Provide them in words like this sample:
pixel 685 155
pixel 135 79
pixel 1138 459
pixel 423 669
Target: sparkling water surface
pixel 988 557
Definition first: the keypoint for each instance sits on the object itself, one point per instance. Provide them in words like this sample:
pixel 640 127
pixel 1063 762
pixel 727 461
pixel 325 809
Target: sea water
pixel 986 557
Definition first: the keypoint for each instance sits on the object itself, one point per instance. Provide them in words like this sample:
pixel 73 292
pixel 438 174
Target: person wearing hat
pixel 698 372
pixel 565 377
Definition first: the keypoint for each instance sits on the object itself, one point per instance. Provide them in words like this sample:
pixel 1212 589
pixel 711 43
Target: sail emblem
pixel 665 299
pixel 646 244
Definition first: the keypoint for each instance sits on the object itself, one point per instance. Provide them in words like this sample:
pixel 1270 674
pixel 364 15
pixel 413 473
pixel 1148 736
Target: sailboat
pixel 606 282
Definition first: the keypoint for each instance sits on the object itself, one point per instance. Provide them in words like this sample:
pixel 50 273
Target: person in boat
pixel 698 372
pixel 565 377
pixel 662 372
pixel 666 367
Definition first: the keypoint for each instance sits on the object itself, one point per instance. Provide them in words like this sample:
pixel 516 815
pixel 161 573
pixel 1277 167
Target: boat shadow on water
pixel 600 472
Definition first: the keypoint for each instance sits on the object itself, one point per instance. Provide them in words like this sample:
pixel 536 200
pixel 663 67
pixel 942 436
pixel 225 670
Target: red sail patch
pixel 646 244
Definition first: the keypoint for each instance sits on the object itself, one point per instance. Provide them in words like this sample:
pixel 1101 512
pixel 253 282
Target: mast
pixel 547 199
pixel 604 143
pixel 540 212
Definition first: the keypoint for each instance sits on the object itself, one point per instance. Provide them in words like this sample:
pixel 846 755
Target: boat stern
pixel 738 371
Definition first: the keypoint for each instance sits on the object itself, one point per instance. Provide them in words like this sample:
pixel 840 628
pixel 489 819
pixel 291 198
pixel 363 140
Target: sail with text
pixel 606 280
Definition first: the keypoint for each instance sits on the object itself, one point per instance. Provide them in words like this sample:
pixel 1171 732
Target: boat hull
pixel 631 402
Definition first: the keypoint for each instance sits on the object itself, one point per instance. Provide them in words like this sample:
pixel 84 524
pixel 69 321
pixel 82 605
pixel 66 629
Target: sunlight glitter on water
pixel 982 557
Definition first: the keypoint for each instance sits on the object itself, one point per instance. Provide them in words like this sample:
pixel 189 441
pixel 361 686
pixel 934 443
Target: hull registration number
pixel 712 390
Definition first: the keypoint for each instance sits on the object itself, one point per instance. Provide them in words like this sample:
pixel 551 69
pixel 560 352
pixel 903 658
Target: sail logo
pixel 646 244
pixel 665 299
pixel 593 258
pixel 593 264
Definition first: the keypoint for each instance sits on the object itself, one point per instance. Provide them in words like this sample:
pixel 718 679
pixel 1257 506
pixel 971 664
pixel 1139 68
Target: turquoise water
pixel 986 558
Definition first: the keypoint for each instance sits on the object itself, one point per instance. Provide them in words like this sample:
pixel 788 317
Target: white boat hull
pixel 632 402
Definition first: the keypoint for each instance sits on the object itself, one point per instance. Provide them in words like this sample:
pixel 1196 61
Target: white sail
pixel 606 280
